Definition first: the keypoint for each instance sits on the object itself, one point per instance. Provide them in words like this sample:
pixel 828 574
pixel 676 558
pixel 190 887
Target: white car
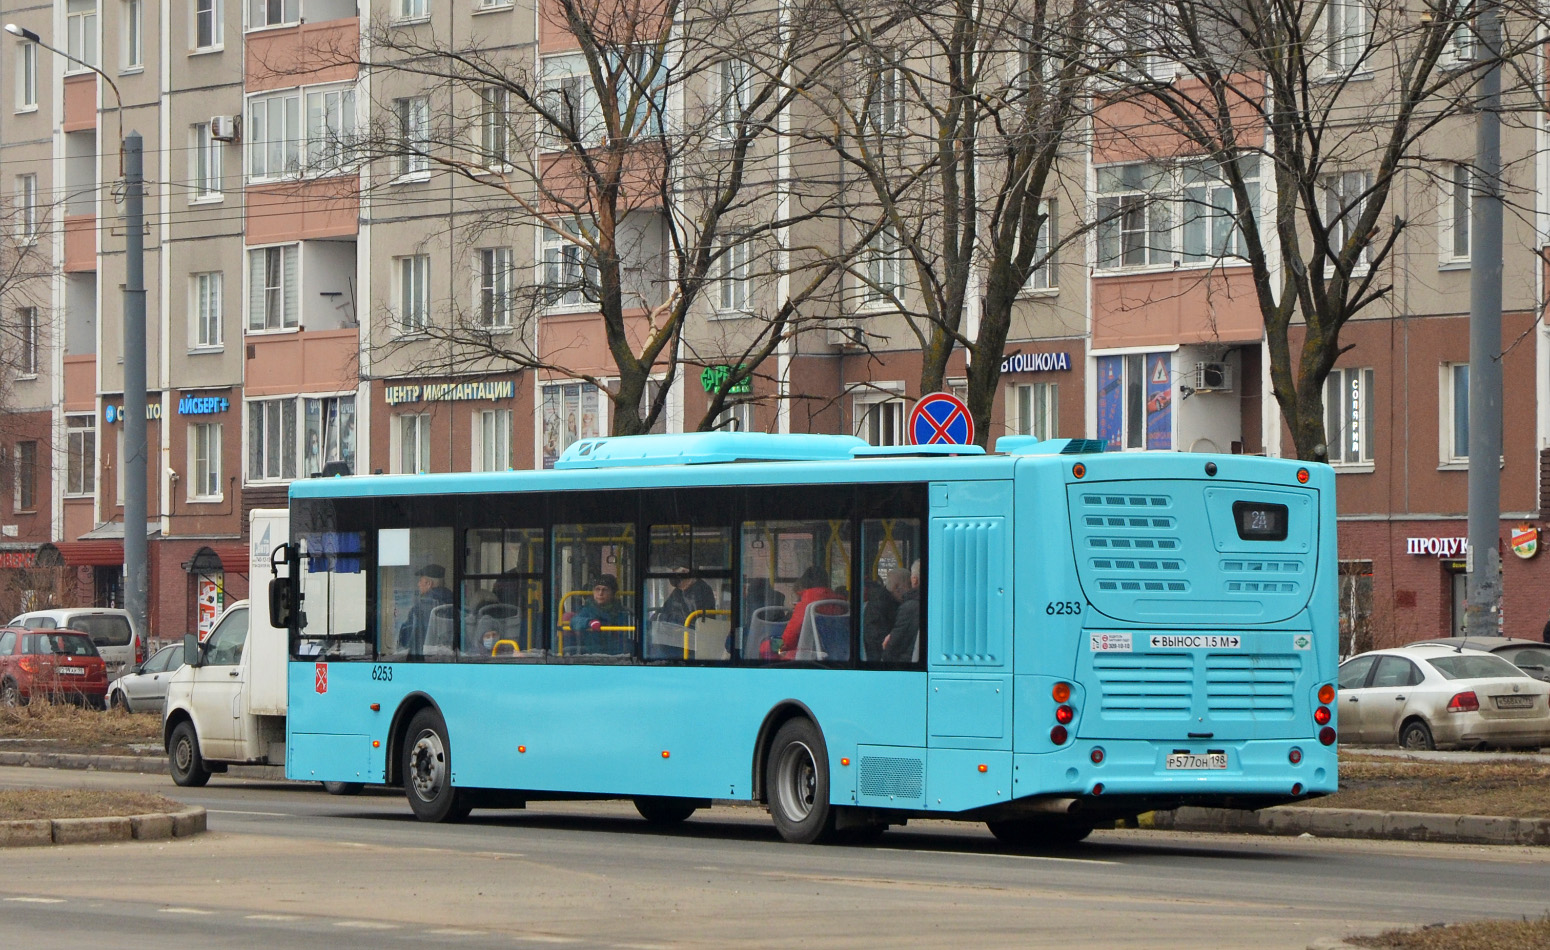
pixel 144 687
pixel 1433 697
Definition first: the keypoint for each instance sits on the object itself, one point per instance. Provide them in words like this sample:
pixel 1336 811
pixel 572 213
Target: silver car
pixel 144 687
pixel 1530 656
pixel 1434 697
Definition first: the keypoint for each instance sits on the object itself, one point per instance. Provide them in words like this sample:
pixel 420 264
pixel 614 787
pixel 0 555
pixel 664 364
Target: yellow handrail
pixel 693 619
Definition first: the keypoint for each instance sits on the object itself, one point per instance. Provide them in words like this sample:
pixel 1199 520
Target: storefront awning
pixel 81 554
pixel 232 558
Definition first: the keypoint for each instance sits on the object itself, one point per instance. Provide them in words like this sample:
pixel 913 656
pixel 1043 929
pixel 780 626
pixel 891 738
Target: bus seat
pixel 766 622
pixel 666 640
pixel 833 636
pixel 835 615
pixel 441 631
pixel 710 638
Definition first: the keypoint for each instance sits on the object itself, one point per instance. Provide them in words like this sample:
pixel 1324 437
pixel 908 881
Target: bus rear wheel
pixel 428 771
pixel 343 788
pixel 796 781
pixel 1030 833
pixel 660 810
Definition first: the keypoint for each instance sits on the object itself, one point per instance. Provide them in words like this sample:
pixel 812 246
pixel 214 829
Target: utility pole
pixel 1483 614
pixel 135 573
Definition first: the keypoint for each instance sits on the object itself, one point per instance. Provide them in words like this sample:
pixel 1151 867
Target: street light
pixel 131 167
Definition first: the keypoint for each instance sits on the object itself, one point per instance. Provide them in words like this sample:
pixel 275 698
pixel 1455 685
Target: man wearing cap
pixel 432 594
pixel 588 624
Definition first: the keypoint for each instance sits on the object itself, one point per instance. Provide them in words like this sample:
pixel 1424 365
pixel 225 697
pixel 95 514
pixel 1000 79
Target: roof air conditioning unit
pixel 224 128
pixel 1213 377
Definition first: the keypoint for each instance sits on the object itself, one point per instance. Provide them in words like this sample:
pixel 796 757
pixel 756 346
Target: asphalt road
pixel 287 866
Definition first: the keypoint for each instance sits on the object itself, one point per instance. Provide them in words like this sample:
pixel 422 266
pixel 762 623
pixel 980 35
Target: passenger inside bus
pixel 603 625
pixel 431 594
pixel 899 645
pixel 812 587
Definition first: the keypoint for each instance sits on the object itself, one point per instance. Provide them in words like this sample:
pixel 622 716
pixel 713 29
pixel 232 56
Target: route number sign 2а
pixel 941 419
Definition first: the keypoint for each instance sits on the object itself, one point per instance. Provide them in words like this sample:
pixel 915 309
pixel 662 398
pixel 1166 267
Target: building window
pixel 571 112
pixel 1345 35
pixel 1345 200
pixel 734 80
pixel 1133 219
pixel 1210 211
pixel 330 428
pixel 411 9
pixel 330 129
pixel 80 455
pixel 736 417
pixel 411 444
pixel 1457 198
pixel 412 120
pixel 271 439
pixel 27 333
pixel 207 24
pixel 884 268
pixel 412 291
pixel 1135 401
pixel 880 419
pixel 1455 413
pixel 134 28
pixel 496 277
pixel 207 163
pixel 1032 409
pixel 492 440
pixel 495 132
pixel 206 311
pixel 274 136
pixel 1348 415
pixel 733 284
pixel 26 498
pixel 263 13
pixel 204 461
pixel 26 208
pixel 570 276
pixel 1043 275
pixel 272 288
pixel 571 412
pixel 884 87
pixel 27 76
pixel 81 34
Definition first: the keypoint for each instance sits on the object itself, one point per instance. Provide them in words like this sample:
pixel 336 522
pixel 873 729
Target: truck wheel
pixel 343 788
pixel 188 766
pixel 797 783
pixel 428 771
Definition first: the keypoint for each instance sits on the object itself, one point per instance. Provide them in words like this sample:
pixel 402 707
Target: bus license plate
pixel 72 671
pixel 1514 702
pixel 1190 762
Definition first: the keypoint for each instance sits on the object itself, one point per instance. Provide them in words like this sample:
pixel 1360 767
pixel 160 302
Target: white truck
pixel 226 705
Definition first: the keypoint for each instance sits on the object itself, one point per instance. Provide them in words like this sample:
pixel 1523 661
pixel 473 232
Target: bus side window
pixel 416 615
pixel 503 594
pixel 890 599
pixel 799 571
pixel 594 594
pixel 688 595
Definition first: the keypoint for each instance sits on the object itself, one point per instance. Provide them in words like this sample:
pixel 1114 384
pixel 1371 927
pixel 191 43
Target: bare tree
pixel 652 161
pixel 25 272
pixel 1327 105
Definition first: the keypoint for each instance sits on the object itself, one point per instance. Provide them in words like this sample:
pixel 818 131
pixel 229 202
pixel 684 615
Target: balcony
pixel 304 54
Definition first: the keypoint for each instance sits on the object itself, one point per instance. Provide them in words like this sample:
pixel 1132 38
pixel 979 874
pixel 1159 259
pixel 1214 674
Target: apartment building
pixel 357 270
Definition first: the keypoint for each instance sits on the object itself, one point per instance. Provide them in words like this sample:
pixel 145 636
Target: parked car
pixel 1428 697
pixel 1530 656
pixel 144 687
pixel 110 629
pixel 50 664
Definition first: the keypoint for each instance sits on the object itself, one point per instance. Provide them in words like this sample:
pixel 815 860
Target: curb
pixel 43 831
pixel 1357 823
pixel 143 764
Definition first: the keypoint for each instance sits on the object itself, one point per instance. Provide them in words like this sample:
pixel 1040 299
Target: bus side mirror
pixel 193 655
pixel 282 605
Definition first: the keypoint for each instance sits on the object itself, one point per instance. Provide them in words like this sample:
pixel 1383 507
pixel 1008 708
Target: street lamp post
pixel 131 163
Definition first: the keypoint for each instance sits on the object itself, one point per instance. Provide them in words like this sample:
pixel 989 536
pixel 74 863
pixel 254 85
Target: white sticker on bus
pixel 1110 642
pixel 1196 642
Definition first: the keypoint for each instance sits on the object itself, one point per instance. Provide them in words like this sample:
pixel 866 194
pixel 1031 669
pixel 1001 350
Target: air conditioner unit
pixel 224 128
pixel 1213 377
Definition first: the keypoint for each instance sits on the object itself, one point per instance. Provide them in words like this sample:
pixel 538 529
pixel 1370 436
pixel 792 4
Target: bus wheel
pixel 660 810
pixel 1031 833
pixel 428 771
pixel 343 788
pixel 188 766
pixel 797 783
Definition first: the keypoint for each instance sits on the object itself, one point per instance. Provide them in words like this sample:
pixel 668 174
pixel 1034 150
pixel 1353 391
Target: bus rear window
pixel 105 630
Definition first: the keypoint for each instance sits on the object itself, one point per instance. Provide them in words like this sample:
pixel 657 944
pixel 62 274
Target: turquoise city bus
pixel 1044 639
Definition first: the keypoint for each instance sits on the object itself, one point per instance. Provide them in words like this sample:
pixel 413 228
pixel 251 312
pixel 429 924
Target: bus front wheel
pixel 428 771
pixel 797 784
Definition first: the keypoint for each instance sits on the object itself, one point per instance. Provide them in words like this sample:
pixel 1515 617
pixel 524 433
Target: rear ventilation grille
pixel 1163 686
pixel 891 777
pixel 1144 687
pixel 1251 687
pixel 1142 547
pixel 968 561
pixel 1270 577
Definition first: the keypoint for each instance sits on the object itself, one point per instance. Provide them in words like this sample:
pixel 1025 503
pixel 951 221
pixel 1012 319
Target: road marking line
pixel 455 932
pixel 271 917
pixel 232 811
pixel 185 910
pixel 545 938
pixel 37 900
pixel 365 925
pixel 1014 857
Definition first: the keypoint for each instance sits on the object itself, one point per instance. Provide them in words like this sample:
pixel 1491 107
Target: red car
pixel 51 664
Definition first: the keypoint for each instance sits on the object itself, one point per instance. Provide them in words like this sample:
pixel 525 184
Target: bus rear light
pixel 1466 701
pixel 1064 715
pixel 1096 755
pixel 1079 470
pixel 1327 693
pixel 1321 715
pixel 1302 476
pixel 1098 789
pixel 1297 788
pixel 1294 757
pixel 1061 692
pixel 1327 735
pixel 1058 735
